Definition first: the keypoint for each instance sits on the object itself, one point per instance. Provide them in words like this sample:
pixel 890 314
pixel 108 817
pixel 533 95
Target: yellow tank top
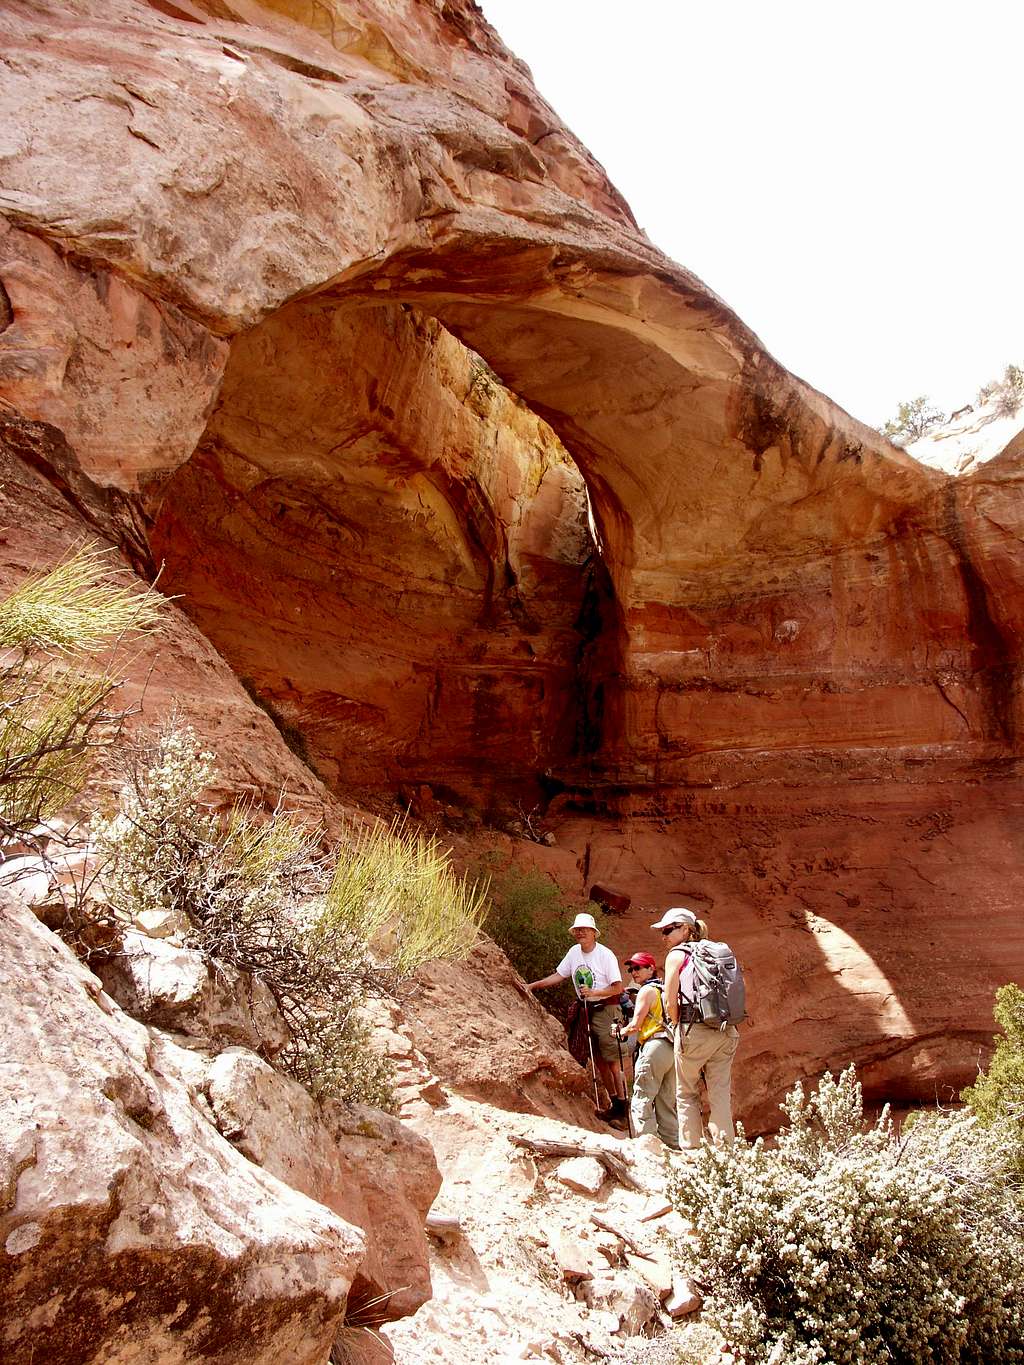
pixel 655 1021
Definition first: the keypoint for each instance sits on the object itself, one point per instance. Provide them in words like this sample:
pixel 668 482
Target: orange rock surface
pixel 782 681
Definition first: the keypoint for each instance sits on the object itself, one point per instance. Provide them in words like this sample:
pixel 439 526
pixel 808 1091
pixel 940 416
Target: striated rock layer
pixel 784 681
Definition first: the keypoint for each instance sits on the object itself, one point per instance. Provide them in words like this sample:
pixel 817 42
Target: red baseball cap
pixel 641 960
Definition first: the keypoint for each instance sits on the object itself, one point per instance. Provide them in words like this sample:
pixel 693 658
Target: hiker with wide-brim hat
pixel 700 1050
pixel 653 1106
pixel 596 977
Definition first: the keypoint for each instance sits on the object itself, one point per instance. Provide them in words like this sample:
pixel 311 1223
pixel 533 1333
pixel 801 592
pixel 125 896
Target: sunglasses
pixel 671 929
pixel 641 967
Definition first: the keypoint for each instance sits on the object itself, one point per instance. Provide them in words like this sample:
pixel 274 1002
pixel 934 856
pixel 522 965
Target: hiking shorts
pixel 601 1031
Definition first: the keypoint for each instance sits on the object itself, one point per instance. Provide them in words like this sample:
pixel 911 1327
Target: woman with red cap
pixel 653 1107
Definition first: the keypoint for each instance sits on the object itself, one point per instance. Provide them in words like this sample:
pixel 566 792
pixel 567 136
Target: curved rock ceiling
pixel 785 681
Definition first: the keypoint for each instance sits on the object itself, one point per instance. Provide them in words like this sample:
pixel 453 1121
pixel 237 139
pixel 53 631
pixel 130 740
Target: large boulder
pixel 130 1229
pixel 366 1166
pixel 183 990
pixel 482 1031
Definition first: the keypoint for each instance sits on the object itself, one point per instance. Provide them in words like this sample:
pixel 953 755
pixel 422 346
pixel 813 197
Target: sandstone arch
pixel 812 692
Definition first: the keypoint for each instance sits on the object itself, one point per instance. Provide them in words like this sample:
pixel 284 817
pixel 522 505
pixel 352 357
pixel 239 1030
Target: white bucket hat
pixel 585 921
pixel 680 915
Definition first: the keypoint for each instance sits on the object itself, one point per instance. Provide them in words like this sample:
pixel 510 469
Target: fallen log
pixel 615 1165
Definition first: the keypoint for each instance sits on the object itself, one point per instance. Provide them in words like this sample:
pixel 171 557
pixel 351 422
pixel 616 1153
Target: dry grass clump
pixel 81 605
pixel 399 893
pixel 57 705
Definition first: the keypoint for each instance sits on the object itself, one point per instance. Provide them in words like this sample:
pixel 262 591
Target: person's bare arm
pixel 644 1001
pixel 672 968
pixel 546 982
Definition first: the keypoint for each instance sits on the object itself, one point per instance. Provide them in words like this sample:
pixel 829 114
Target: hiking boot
pixel 615 1110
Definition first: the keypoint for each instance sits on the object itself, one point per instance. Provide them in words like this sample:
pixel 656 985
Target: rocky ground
pixel 549 1235
pixel 546 1260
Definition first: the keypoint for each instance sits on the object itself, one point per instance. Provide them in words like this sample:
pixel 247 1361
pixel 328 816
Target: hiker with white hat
pixel 700 1048
pixel 598 983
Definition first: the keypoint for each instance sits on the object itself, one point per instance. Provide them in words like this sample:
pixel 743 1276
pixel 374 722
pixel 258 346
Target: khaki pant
pixel 602 1021
pixel 654 1091
pixel 710 1051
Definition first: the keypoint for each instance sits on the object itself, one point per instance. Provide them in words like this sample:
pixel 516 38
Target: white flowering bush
pixel 167 849
pixel 846 1243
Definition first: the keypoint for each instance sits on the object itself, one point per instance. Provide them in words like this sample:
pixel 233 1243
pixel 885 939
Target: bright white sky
pixel 847 176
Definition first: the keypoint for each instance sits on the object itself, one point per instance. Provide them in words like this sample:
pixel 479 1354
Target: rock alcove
pixel 791 692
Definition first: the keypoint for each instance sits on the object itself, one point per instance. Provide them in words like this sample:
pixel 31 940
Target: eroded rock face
pixel 177 672
pixel 806 652
pixel 367 1167
pixel 390 549
pixel 126 378
pixel 125 1216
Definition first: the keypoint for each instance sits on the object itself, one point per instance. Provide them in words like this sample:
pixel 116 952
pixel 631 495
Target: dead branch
pixel 606 1225
pixel 615 1165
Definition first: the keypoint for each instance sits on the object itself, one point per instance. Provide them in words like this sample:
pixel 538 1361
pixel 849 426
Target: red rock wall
pixel 390 549
pixel 801 641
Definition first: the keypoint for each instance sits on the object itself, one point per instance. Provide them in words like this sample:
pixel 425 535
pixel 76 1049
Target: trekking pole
pixel 622 1068
pixel 593 1064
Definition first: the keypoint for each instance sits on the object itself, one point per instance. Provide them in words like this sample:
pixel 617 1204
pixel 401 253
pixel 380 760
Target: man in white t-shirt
pixel 597 980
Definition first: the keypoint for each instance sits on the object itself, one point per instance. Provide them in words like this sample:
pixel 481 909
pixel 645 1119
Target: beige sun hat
pixel 678 915
pixel 585 921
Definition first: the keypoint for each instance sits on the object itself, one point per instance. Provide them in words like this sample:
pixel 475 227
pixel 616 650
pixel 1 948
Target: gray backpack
pixel 711 989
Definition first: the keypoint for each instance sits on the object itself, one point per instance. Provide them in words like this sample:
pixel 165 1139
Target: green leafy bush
pixel 848 1244
pixel 528 918
pixel 998 1095
pixel 913 418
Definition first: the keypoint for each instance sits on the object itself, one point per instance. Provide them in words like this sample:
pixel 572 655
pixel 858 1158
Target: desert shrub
pixel 256 890
pixel 1009 400
pixel 399 892
pixel 913 418
pixel 998 1095
pixel 846 1243
pixel 1006 393
pixel 339 1060
pixel 246 886
pixel 528 918
pixel 57 699
pixel 230 876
